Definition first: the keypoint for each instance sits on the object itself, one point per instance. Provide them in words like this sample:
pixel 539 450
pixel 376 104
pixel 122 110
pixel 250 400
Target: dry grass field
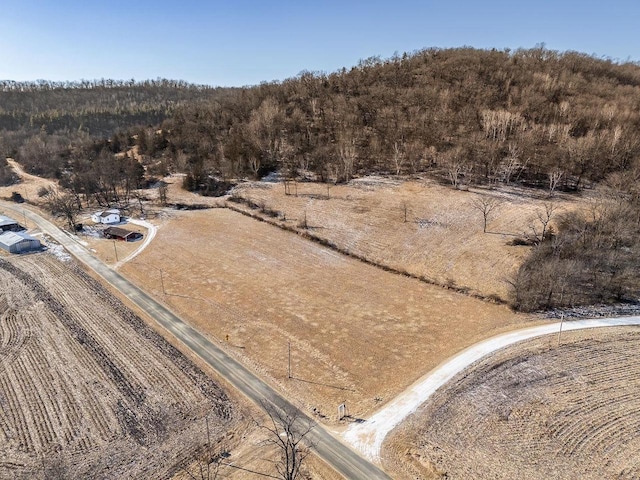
pixel 442 238
pixel 87 389
pixel 532 411
pixel 357 333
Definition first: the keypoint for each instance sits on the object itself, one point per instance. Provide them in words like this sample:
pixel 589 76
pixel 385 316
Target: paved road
pixel 367 437
pixel 339 456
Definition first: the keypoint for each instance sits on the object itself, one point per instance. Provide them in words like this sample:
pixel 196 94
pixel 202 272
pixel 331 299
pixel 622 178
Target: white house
pixel 108 216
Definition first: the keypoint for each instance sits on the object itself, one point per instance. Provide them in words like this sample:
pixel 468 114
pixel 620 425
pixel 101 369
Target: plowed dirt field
pixel 87 389
pixel 534 411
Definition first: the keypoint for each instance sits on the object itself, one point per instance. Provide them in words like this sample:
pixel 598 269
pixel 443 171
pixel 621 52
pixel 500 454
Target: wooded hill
pixel 98 107
pixel 548 119
pixel 533 117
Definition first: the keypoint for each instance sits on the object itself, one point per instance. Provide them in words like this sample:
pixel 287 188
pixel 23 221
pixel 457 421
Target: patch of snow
pixel 374 181
pixel 59 252
pixel 91 231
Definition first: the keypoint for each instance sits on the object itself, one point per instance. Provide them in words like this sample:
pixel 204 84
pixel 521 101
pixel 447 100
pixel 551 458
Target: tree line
pixel 60 114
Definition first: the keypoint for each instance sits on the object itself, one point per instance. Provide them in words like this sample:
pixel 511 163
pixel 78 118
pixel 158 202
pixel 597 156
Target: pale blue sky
pixel 245 42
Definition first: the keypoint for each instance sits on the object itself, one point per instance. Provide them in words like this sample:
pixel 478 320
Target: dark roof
pixel 4 221
pixel 117 232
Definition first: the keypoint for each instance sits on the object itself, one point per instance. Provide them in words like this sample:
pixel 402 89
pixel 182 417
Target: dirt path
pixel 27 176
pixel 151 233
pixel 367 437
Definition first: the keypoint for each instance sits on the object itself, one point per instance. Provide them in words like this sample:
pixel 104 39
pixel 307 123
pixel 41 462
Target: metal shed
pixel 18 242
pixel 9 225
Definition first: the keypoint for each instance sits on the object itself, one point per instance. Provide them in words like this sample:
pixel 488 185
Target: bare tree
pixel 162 192
pixel 287 431
pixel 398 156
pixel 264 129
pixel 286 154
pixel 455 165
pixel 540 227
pixel 485 205
pixel 347 154
pixel 207 465
pixel 511 164
pixel 254 164
pixel 555 175
pixel 65 204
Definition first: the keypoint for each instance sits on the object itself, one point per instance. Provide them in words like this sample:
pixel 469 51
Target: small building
pixel 9 225
pixel 19 242
pixel 107 216
pixel 117 233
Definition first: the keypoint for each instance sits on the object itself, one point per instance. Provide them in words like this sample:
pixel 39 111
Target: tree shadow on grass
pixel 504 234
pixel 337 387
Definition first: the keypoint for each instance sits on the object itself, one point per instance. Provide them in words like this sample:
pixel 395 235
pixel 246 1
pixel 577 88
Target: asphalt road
pixel 335 453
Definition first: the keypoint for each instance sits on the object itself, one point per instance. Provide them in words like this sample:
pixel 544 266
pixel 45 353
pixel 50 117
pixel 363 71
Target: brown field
pixel 87 389
pixel 532 411
pixel 442 238
pixel 357 333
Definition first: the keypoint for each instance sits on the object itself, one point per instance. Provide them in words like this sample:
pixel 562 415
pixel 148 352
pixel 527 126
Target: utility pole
pixel 289 358
pixel 162 282
pixel 560 332
pixel 115 249
pixel 561 316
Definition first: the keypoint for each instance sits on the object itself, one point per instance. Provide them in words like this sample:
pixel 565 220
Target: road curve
pixel 329 448
pixel 367 437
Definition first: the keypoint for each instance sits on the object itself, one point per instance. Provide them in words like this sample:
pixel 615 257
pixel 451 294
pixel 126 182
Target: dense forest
pixel 538 117
pixel 532 116
pixel 98 107
pixel 47 125
pixel 535 117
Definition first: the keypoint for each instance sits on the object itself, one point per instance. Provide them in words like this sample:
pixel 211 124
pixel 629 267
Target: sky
pixel 245 42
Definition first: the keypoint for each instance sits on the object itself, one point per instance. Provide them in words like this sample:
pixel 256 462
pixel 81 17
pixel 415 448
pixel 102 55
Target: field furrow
pixel 14 393
pixel 87 386
pixel 535 411
pixel 34 403
pixel 13 336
